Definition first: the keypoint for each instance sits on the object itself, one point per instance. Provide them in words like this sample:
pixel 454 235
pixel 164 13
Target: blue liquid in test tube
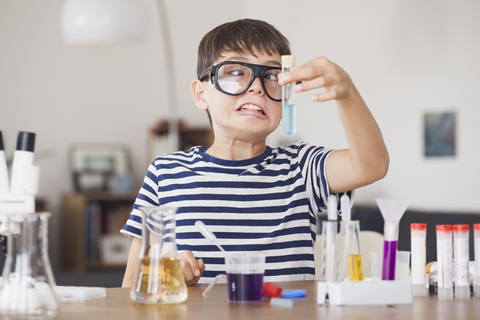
pixel 288 101
pixel 288 117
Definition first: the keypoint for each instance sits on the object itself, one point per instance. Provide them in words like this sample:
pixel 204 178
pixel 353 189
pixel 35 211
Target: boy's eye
pixel 271 77
pixel 236 73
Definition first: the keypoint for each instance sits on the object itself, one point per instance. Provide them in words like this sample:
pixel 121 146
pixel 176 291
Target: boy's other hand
pixel 192 268
pixel 320 73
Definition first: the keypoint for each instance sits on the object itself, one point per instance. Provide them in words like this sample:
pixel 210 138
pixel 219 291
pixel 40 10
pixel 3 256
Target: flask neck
pixel 27 234
pixel 158 232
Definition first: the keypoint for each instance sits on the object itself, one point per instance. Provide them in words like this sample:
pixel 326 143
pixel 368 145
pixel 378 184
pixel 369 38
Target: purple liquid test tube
pixel 389 259
pixel 392 211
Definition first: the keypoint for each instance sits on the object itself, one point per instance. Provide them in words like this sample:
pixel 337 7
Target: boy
pixel 251 196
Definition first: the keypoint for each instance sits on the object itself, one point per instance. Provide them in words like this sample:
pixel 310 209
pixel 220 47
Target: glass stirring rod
pixel 288 101
pixel 213 239
pixel 208 235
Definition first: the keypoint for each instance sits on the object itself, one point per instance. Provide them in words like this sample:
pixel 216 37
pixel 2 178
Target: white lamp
pixel 101 22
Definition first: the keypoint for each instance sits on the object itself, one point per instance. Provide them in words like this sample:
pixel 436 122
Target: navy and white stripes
pixel 266 204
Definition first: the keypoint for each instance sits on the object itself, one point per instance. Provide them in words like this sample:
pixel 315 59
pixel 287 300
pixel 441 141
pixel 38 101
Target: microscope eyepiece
pixel 2 147
pixel 26 141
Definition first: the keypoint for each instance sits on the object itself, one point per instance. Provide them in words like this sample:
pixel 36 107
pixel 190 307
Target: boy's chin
pixel 251 129
pixel 256 132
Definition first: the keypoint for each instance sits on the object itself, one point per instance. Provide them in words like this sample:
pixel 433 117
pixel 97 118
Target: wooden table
pixel 117 305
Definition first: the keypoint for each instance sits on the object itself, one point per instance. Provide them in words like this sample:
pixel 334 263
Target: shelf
pixel 86 219
pixel 188 137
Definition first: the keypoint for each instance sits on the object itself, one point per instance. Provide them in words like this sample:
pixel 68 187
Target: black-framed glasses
pixel 234 78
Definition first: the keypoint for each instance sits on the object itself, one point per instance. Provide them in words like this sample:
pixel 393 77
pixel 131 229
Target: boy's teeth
pixel 250 107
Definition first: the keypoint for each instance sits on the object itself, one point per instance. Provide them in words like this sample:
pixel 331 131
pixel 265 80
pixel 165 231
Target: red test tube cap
pixel 476 226
pixel 271 290
pixel 461 227
pixel 418 226
pixel 444 227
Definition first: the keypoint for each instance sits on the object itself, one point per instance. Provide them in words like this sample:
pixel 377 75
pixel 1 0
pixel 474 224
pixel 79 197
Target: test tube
pixel 344 237
pixel 476 235
pixel 352 238
pixel 461 260
pixel 389 249
pixel 330 260
pixel 288 98
pixel 329 270
pixel 418 233
pixel 444 262
pixel 350 232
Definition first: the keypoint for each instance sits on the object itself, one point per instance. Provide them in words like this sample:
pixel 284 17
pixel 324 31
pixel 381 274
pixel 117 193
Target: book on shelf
pixel 103 219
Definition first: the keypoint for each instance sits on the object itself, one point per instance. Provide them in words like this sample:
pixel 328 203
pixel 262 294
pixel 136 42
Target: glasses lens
pixel 234 78
pixel 270 79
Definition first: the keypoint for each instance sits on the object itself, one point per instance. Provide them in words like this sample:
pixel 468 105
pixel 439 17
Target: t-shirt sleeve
pixel 147 196
pixel 312 161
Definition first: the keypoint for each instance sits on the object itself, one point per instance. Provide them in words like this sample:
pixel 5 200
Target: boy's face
pixel 251 116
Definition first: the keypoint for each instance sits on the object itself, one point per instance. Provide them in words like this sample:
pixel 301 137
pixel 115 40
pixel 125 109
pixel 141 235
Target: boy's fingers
pixel 187 271
pixel 330 95
pixel 201 265
pixel 192 268
pixel 302 73
pixel 192 263
pixel 313 84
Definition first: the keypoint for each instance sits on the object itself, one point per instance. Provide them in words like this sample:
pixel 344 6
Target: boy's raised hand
pixel 366 160
pixel 321 73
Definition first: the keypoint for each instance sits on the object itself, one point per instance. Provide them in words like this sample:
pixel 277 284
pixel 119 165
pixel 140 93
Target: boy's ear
pixel 198 92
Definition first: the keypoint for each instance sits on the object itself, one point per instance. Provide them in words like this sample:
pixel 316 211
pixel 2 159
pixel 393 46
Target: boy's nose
pixel 256 86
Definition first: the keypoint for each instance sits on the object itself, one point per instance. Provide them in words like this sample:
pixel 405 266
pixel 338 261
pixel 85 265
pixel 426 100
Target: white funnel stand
pixel 392 210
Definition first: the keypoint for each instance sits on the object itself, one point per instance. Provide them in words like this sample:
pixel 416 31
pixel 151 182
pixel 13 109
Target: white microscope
pixel 27 285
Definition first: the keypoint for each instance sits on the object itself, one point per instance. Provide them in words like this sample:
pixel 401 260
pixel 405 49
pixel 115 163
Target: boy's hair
pixel 242 36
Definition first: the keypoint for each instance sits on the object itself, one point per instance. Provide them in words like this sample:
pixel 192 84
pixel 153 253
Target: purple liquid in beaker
pixel 389 258
pixel 245 287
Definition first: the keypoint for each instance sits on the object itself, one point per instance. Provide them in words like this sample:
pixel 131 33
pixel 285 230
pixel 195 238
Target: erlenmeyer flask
pixel 27 289
pixel 158 276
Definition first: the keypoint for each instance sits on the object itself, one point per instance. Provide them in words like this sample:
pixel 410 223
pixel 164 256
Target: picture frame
pixel 440 134
pixel 96 167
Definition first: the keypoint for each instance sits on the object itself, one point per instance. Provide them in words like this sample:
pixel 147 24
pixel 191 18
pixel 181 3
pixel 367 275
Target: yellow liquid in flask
pixel 355 267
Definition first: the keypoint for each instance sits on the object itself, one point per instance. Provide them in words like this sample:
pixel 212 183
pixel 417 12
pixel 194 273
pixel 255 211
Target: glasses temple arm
pixel 205 72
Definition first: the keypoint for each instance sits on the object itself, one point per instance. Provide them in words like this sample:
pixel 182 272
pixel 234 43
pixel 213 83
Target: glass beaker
pixel 376 264
pixel 158 276
pixel 402 266
pixel 245 276
pixel 27 289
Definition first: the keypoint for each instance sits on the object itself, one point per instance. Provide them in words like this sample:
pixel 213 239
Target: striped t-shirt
pixel 265 204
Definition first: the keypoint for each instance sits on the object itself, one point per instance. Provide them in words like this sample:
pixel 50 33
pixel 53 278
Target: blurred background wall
pixel 406 57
